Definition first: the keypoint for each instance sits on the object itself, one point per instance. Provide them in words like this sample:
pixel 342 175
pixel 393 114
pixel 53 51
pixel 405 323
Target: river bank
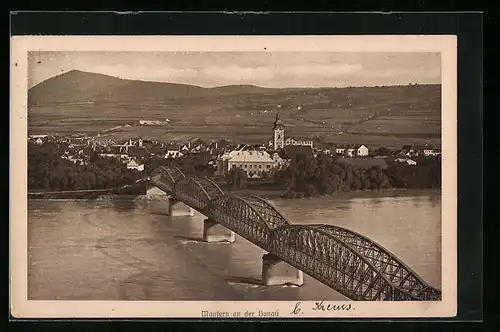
pixel 264 193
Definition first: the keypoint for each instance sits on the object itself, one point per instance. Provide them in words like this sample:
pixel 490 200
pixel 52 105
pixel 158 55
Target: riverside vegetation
pixel 325 175
pixel 303 177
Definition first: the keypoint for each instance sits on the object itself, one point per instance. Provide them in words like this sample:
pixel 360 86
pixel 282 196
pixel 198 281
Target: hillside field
pixel 387 116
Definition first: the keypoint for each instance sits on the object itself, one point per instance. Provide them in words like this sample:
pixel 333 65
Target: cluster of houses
pixel 255 160
pixel 408 153
pixel 418 150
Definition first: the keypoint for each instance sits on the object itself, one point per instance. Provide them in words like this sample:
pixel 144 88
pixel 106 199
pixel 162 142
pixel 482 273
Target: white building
pixel 133 164
pixel 173 154
pixel 254 163
pixel 352 151
pixel 430 152
pixel 408 161
pixel 362 151
pixel 292 141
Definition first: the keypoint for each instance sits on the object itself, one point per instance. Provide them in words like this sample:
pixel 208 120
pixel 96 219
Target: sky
pixel 265 69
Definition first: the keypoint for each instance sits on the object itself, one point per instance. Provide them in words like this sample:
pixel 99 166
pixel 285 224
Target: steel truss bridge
pixel 346 261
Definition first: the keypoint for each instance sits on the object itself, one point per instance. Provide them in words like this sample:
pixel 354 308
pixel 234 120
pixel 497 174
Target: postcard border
pixel 409 43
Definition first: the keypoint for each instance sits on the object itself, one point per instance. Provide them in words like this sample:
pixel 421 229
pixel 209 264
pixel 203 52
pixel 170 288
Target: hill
pixel 78 86
pixel 88 102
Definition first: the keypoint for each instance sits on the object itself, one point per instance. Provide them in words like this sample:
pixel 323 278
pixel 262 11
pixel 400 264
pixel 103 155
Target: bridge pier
pixel 174 208
pixel 215 232
pixel 154 193
pixel 277 272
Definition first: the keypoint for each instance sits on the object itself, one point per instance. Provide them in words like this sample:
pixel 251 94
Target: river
pixel 128 249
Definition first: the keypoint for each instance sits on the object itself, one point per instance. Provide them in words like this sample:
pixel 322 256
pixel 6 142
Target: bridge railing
pixel 346 261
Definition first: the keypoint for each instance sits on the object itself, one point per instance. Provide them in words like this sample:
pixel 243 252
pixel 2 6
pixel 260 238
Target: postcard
pixel 247 177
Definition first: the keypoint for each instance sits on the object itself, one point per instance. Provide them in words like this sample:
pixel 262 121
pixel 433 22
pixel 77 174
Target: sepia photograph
pixel 242 177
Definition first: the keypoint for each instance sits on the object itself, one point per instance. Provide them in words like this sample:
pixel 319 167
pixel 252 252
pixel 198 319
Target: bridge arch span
pixel 173 173
pixel 334 262
pixel 250 216
pixel 197 192
pixel 270 214
pixel 169 177
pixel 398 273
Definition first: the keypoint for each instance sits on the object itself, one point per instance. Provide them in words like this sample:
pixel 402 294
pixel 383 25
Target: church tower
pixel 279 133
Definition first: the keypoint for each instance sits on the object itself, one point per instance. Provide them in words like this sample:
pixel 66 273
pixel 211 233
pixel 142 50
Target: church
pixel 279 142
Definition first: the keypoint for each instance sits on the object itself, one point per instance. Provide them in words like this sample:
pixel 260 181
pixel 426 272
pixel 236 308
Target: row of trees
pixel 427 174
pixel 191 164
pixel 48 171
pixel 323 175
pixel 305 176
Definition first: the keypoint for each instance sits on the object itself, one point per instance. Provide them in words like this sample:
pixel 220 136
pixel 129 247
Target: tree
pixel 237 178
pixel 382 151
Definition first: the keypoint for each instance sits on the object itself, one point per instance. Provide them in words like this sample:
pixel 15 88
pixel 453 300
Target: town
pixel 221 158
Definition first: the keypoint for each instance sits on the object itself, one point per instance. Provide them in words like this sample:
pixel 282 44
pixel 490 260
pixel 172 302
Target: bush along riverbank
pixel 309 177
pixel 305 176
pixel 48 172
pixel 325 175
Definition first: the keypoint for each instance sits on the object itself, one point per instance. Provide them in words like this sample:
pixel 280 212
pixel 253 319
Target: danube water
pixel 125 249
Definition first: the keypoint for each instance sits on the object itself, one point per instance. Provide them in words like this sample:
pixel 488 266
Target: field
pixel 387 116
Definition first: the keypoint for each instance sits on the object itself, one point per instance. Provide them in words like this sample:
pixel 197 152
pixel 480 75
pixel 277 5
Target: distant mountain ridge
pixel 80 86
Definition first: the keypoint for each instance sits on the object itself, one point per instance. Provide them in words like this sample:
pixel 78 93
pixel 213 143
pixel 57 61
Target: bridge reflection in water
pixel 344 260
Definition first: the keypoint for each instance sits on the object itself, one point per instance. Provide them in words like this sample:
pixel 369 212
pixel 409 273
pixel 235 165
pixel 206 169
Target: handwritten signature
pixel 321 306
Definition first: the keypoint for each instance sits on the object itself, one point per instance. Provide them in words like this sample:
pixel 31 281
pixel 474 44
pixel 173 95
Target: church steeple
pixel 278 123
pixel 279 133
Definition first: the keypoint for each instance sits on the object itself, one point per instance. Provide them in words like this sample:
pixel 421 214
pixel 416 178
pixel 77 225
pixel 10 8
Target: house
pixel 340 150
pixel 362 151
pixel 39 141
pixel 133 164
pixel 408 161
pixel 173 154
pixel 74 160
pixel 300 142
pixel 431 152
pixel 198 148
pixel 408 150
pixel 326 148
pixel 254 163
